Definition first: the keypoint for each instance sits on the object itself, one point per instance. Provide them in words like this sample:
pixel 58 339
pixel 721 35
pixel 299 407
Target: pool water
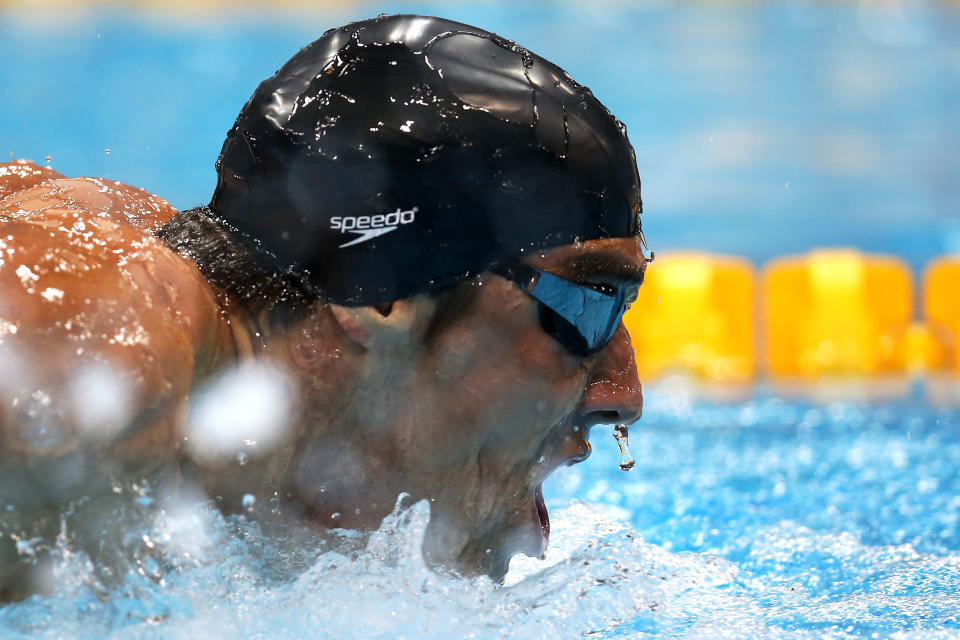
pixel 760 129
pixel 767 519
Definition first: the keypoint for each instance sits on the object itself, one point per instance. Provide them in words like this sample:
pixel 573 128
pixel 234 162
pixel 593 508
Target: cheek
pixel 502 369
pixel 539 362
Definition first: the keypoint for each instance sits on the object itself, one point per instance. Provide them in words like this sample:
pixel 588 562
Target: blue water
pixel 760 130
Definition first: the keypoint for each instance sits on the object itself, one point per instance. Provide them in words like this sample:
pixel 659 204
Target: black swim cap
pixel 402 154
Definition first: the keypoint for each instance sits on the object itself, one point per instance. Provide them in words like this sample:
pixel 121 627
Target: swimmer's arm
pixel 103 329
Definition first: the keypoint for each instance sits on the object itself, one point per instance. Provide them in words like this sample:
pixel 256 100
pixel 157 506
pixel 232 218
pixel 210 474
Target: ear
pixel 384 324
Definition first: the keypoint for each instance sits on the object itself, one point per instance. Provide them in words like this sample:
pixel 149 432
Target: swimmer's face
pixel 513 405
pixel 473 405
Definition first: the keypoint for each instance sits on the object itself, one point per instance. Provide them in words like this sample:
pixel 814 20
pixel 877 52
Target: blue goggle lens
pixel 581 318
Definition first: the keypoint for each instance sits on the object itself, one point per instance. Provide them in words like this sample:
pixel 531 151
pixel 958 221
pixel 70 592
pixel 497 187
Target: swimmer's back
pixel 103 329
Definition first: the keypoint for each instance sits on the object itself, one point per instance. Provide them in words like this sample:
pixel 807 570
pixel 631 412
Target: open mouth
pixel 542 515
pixel 581 451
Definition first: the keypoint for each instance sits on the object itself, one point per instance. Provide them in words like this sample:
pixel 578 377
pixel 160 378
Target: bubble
pixel 246 409
pixel 99 399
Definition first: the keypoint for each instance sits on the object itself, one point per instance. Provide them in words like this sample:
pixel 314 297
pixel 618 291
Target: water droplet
pixel 48 158
pixel 242 458
pixel 249 501
pixel 107 151
pixel 620 432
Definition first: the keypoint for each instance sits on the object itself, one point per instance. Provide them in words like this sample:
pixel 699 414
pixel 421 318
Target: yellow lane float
pixel 941 309
pixel 695 314
pixel 836 311
pixel 830 312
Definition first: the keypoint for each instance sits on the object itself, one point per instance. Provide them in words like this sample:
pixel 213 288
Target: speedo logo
pixel 371 226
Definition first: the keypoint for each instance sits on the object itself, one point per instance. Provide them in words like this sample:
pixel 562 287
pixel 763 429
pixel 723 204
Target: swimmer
pixel 429 233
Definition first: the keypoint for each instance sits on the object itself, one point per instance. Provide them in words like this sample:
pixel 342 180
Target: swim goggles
pixel 581 317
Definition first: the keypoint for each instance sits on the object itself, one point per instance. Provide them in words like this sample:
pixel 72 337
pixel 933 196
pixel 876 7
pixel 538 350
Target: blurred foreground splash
pixel 768 519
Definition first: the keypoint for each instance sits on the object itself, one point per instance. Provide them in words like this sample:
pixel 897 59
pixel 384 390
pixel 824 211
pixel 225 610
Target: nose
pixel 614 393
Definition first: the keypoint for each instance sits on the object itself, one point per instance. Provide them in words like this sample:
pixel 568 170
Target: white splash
pixel 195 573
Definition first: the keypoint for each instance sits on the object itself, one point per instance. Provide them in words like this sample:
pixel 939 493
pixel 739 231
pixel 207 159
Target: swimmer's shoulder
pixel 86 286
pixel 28 190
pixel 18 175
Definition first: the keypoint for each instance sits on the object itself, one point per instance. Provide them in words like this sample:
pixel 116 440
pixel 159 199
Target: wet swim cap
pixel 402 154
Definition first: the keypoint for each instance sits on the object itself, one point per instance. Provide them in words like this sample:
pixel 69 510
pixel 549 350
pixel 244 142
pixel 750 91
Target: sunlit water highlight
pixel 764 519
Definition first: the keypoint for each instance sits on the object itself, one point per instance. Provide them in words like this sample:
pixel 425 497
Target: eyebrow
pixel 612 266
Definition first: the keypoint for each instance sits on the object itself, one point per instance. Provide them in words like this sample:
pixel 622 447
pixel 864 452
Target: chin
pixel 481 541
pixel 521 527
pixel 485 545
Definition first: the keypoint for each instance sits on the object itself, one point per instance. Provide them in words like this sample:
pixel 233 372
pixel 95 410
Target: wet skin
pixel 470 406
